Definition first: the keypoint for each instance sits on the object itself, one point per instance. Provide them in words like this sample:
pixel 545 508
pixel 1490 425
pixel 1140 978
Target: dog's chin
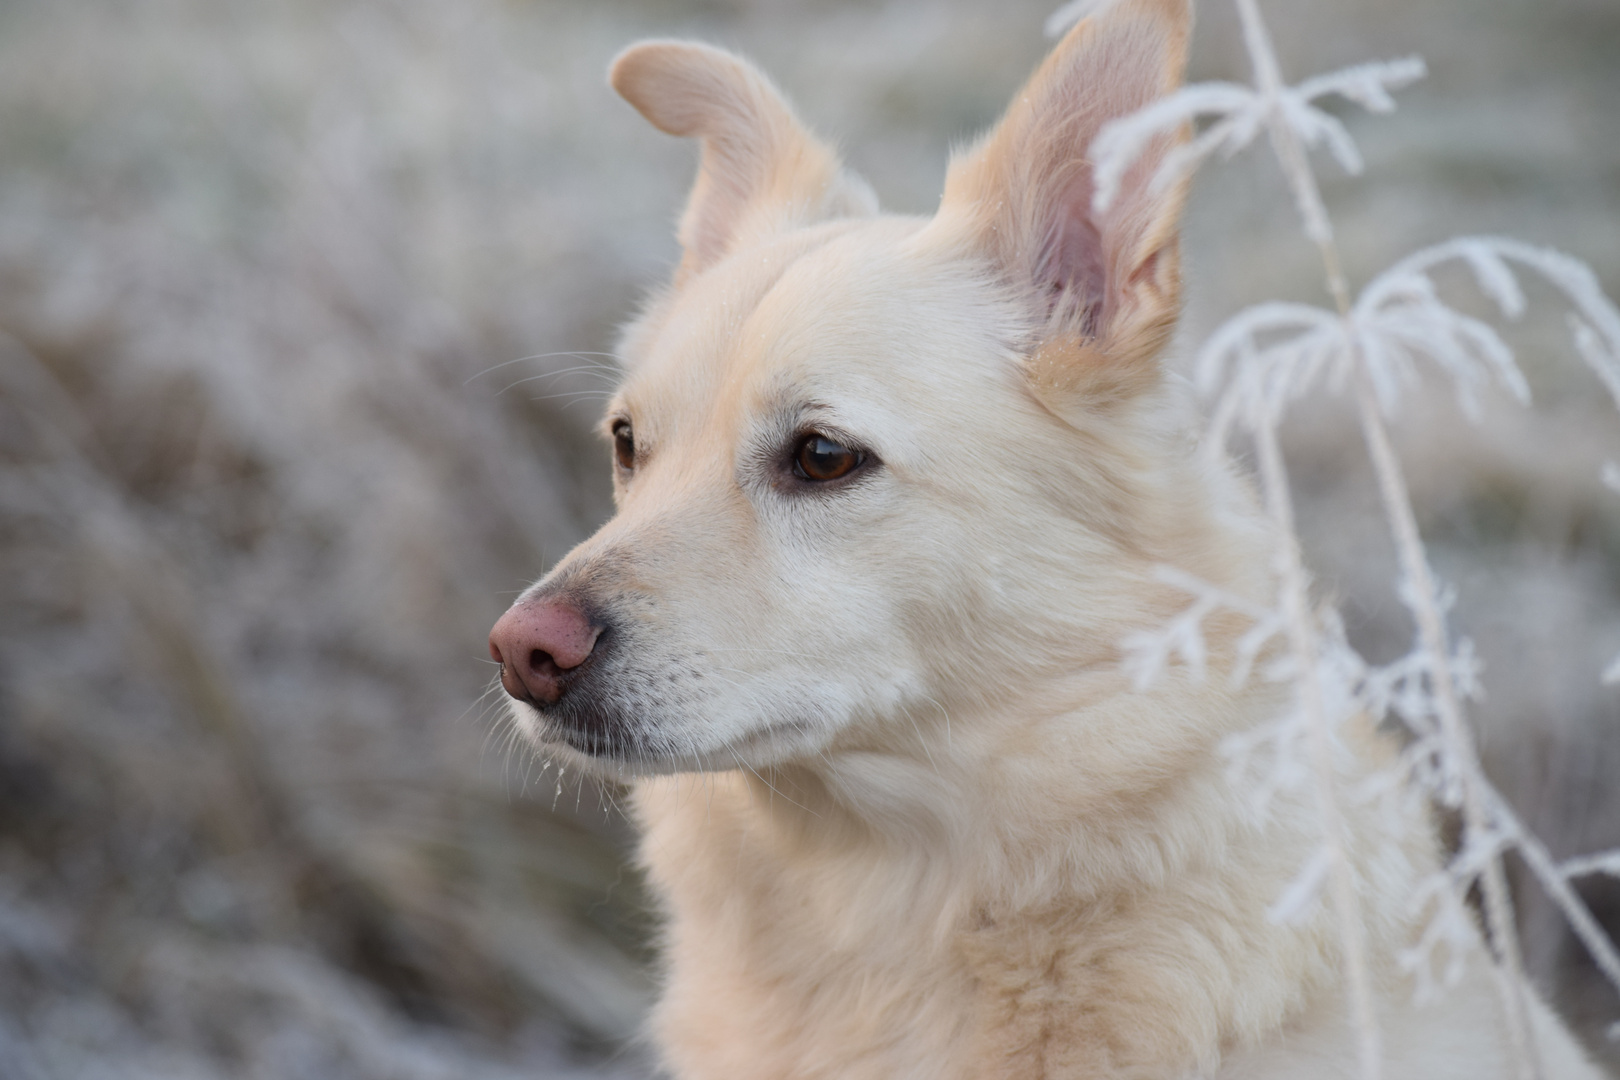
pixel 608 746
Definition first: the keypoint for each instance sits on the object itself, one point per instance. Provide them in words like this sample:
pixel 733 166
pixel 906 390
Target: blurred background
pixel 303 315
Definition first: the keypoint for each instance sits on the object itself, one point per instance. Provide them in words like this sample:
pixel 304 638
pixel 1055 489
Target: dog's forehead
pixel 856 310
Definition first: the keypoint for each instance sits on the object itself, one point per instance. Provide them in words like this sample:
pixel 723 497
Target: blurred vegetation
pixel 302 315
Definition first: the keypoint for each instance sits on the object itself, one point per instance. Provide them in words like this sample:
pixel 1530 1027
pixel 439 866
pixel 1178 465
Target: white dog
pixel 891 492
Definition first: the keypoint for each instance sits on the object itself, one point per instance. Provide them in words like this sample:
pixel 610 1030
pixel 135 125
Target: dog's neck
pixel 1039 798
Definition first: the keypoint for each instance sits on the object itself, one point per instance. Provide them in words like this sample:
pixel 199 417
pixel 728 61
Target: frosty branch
pixel 1374 345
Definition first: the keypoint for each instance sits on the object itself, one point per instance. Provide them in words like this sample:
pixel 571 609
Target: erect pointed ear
pixel 1103 288
pixel 762 171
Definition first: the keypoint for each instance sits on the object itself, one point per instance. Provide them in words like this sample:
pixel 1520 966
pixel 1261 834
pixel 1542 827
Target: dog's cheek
pixel 975 590
pixel 823 644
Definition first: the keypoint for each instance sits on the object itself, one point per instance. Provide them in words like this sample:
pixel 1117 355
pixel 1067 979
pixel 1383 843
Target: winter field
pixel 303 309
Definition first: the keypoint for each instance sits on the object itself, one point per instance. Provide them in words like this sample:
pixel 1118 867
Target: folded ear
pixel 762 171
pixel 1103 287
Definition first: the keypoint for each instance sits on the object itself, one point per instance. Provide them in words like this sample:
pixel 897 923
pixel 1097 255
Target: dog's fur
pixel 939 833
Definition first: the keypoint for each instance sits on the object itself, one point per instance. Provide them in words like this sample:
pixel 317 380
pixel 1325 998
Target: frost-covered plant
pixel 1370 346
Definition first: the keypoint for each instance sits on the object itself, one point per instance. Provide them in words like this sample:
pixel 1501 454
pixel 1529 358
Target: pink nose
pixel 536 642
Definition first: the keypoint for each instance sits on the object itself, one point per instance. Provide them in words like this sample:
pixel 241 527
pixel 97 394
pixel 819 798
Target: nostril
pixel 543 664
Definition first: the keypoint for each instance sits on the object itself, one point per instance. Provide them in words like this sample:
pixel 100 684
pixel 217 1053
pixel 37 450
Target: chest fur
pixel 791 958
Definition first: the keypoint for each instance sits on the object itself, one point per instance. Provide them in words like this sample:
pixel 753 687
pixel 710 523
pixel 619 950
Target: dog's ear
pixel 762 171
pixel 1103 287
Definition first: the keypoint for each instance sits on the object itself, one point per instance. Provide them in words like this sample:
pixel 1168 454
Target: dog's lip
pixel 660 754
pixel 583 742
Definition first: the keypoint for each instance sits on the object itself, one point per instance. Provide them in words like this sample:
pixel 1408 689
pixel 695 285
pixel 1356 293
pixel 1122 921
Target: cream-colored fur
pixel 907 815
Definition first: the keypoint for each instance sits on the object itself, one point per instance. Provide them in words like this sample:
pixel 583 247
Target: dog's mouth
pixel 625 741
pixel 605 739
pixel 603 714
pixel 587 718
pixel 596 733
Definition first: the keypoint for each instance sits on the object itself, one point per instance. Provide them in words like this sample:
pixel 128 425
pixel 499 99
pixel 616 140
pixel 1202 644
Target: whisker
pixel 552 375
pixel 773 787
pixel 618 361
pixel 572 395
pixel 946 714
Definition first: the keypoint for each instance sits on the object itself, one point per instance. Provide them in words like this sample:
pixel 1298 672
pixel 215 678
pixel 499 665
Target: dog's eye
pixel 817 457
pixel 624 445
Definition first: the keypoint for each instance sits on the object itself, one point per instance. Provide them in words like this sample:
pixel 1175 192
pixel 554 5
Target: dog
pixel 890 492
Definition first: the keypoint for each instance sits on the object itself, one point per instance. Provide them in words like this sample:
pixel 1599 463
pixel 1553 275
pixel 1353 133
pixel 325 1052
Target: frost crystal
pixel 1241 113
pixel 1271 354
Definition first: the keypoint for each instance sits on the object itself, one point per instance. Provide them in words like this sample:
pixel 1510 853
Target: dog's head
pixel 870 469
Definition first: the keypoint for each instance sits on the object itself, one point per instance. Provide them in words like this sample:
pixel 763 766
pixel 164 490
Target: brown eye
pixel 624 445
pixel 819 458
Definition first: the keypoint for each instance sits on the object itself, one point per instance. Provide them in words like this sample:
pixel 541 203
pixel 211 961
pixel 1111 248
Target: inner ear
pixel 1101 288
pixel 1072 265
